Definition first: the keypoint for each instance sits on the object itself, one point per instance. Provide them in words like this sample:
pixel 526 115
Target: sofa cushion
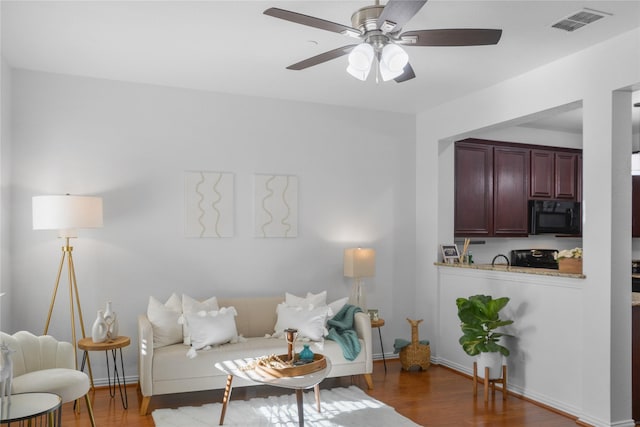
pixel 212 327
pixel 310 323
pixel 310 301
pixel 164 320
pixel 337 305
pixel 191 305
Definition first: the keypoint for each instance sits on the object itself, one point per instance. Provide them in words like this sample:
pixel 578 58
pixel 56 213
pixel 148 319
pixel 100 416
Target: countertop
pixel 504 267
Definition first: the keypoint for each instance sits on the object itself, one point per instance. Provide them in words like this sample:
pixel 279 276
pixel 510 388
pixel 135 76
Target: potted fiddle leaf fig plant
pixel 480 318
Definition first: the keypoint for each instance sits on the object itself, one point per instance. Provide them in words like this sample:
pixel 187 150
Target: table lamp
pixel 66 214
pixel 359 263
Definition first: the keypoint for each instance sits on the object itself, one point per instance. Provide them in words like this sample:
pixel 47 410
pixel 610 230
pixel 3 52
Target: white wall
pixel 534 304
pixel 5 177
pixel 131 144
pixel 602 305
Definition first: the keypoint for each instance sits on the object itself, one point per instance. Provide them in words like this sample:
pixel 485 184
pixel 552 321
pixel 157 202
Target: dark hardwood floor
pixel 436 397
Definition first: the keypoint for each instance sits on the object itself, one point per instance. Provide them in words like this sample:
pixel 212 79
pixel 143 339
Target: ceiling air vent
pixel 579 19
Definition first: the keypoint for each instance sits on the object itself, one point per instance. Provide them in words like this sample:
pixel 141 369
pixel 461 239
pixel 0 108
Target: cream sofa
pixel 167 370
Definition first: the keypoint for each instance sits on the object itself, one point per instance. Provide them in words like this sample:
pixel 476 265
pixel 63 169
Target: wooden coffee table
pixel 233 368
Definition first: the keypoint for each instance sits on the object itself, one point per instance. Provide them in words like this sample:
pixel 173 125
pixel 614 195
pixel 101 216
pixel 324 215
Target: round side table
pixel 42 409
pixel 114 345
pixel 379 323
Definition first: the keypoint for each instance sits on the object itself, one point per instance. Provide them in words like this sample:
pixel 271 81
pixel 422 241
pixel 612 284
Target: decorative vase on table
pixel 111 320
pixel 306 355
pixel 99 328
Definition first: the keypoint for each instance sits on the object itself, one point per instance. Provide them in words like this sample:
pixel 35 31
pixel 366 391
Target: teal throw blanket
pixel 341 331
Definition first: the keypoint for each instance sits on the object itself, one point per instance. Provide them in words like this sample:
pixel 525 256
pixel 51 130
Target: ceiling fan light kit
pixel 379 27
pixel 394 57
pixel 360 60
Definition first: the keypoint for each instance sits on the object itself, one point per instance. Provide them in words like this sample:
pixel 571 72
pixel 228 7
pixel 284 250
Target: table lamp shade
pixel 359 262
pixel 66 212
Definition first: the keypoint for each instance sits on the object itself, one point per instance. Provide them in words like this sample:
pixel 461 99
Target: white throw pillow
pixel 192 305
pixel 310 323
pixel 310 301
pixel 212 327
pixel 164 320
pixel 337 305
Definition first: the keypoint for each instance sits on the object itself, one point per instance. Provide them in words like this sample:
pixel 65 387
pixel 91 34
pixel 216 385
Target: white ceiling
pixel 231 46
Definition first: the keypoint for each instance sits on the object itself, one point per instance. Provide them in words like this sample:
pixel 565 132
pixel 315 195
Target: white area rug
pixel 340 407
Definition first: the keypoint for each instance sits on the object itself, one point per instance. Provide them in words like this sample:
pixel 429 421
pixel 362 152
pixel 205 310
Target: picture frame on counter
pixel 450 253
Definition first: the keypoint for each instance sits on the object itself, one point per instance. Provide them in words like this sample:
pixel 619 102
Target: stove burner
pixel 534 258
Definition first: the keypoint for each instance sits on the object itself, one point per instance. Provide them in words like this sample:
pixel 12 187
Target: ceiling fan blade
pixel 312 21
pixel 323 57
pixel 451 37
pixel 407 74
pixel 397 13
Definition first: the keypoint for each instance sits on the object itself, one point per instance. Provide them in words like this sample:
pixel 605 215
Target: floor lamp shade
pixel 359 262
pixel 66 213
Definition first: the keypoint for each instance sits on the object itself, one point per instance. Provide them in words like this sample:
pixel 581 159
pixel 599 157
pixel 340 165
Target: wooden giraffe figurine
pixel 6 373
pixel 415 354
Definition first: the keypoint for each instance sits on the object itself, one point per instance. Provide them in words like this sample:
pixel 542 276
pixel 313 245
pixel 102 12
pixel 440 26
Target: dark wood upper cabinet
pixel 566 165
pixel 510 184
pixel 494 181
pixel 579 179
pixel 542 174
pixel 474 189
pixel 635 206
pixel 554 175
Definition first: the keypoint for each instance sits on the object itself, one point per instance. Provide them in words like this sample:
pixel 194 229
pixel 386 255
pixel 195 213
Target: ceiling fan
pixel 378 29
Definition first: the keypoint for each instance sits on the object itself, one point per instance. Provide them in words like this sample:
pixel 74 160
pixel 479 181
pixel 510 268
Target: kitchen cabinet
pixel 491 190
pixel 635 206
pixel 474 189
pixel 579 179
pixel 554 175
pixel 494 181
pixel 542 176
pixel 510 184
pixel 565 174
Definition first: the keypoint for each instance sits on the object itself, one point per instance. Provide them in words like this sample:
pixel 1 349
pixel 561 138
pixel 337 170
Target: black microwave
pixel 554 216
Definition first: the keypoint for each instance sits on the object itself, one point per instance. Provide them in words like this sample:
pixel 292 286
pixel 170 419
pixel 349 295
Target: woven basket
pixel 415 355
pixel 570 265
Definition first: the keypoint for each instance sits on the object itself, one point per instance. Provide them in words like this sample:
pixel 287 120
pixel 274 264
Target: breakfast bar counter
pixel 503 267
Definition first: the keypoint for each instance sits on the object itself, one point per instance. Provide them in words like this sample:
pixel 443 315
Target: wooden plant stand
pixel 490 382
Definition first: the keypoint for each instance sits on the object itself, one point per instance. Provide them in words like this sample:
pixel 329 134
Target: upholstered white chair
pixel 43 364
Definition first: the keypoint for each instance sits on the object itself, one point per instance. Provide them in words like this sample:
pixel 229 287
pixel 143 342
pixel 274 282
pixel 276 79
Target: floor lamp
pixel 67 214
pixel 359 263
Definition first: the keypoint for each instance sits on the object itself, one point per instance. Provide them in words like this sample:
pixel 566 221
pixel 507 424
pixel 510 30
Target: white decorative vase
pixel 112 331
pixel 99 329
pixel 492 360
pixel 111 320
